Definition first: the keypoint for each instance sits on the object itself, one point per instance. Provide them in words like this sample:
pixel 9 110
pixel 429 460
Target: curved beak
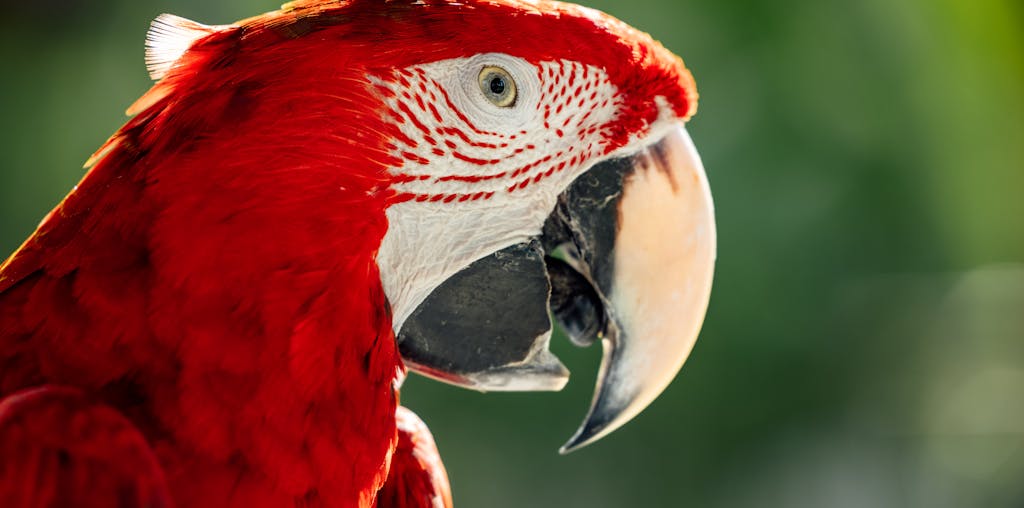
pixel 652 272
pixel 627 257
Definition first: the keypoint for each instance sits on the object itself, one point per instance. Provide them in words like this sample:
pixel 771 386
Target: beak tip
pixel 586 435
pixel 570 446
pixel 596 426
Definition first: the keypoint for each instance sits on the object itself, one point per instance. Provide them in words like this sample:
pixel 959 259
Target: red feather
pixel 213 276
pixel 57 448
pixel 417 478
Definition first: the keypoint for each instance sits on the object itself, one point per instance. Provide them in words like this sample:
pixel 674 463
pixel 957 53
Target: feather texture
pixel 168 38
pixel 211 286
pixel 417 478
pixel 57 448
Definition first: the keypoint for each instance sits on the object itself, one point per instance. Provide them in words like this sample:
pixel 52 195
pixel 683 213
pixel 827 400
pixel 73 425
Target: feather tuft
pixel 168 38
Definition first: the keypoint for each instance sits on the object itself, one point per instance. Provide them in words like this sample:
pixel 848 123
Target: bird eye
pixel 498 86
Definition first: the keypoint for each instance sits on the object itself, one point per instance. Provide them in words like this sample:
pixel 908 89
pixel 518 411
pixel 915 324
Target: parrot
pixel 311 203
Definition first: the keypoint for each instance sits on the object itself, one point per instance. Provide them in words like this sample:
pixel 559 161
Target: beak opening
pixel 626 257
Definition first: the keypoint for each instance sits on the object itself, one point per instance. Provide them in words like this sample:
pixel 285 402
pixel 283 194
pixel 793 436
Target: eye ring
pixel 497 86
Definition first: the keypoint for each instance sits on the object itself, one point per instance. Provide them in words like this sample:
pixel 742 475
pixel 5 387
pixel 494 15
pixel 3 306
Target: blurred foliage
pixel 864 342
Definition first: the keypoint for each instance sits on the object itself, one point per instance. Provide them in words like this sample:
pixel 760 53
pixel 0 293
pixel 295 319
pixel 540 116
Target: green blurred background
pixel 865 341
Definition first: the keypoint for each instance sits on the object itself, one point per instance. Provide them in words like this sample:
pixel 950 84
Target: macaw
pixel 311 201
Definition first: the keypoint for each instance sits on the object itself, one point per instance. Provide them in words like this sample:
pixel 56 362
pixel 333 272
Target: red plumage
pixel 212 280
pixel 58 448
pixel 417 478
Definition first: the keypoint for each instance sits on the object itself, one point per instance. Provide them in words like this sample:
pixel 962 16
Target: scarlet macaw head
pixel 510 160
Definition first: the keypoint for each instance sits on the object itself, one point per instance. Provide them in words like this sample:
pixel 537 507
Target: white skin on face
pixel 484 176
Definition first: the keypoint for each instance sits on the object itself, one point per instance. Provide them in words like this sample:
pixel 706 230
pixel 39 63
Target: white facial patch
pixel 478 177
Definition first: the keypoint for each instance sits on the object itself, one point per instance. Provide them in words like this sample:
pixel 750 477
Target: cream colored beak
pixel 656 291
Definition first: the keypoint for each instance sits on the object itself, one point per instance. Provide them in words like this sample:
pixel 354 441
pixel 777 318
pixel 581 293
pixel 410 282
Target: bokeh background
pixel 865 341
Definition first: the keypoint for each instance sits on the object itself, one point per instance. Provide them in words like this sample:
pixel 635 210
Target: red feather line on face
pixel 213 276
pixel 565 86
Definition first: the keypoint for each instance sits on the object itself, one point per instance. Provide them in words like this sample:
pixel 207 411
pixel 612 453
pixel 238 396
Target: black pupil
pixel 497 85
